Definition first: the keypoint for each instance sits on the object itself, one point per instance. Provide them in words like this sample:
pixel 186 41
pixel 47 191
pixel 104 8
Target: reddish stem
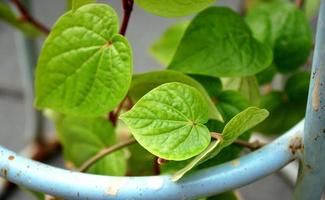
pixel 127 10
pixel 26 16
pixel 299 3
pixel 113 116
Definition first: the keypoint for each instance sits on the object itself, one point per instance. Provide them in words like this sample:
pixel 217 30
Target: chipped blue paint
pixel 311 180
pixel 75 185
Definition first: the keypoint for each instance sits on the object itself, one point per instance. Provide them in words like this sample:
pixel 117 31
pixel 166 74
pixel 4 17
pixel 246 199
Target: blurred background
pixel 142 31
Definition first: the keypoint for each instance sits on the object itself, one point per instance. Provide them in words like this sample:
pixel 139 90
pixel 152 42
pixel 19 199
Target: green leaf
pixel 143 83
pixel 266 76
pixel 165 47
pixel 239 124
pixel 141 162
pixel 297 87
pixel 172 8
pixel 219 43
pixel 82 138
pixel 246 85
pixel 230 103
pixel 197 160
pixel 9 16
pixel 224 196
pixel 85 66
pixel 284 114
pixel 75 4
pixel 311 7
pixel 242 122
pixel 169 121
pixel 286 29
pixel 212 85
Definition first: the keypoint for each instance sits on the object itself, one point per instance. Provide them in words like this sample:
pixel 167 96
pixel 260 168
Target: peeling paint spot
pixel 114 188
pixel 155 183
pixel 296 145
pixel 235 163
pixel 11 157
pixel 315 95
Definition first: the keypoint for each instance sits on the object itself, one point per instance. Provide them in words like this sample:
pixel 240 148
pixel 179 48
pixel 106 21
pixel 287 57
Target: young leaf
pixel 143 83
pixel 172 8
pixel 195 161
pixel 82 138
pixel 247 86
pixel 233 129
pixel 242 122
pixel 165 47
pixel 286 29
pixel 219 43
pixel 75 4
pixel 85 66
pixel 9 16
pixel 169 121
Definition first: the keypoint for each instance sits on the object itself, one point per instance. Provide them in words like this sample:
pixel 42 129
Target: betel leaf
pixel 165 47
pixel 75 4
pixel 172 8
pixel 297 86
pixel 211 84
pixel 82 138
pixel 141 162
pixel 11 18
pixel 284 113
pixel 219 43
pixel 169 121
pixel 286 29
pixel 85 66
pixel 239 124
pixel 143 83
pixel 266 76
pixel 246 85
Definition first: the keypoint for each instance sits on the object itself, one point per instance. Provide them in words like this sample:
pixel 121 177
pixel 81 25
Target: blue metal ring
pixel 75 185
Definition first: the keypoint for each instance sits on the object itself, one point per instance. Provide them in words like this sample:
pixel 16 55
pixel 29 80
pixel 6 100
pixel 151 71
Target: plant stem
pixel 113 116
pixel 216 136
pixel 250 145
pixel 299 3
pixel 156 166
pixel 84 167
pixel 26 16
pixel 127 10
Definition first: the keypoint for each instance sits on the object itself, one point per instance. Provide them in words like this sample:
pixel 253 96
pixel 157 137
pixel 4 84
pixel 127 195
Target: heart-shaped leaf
pixel 82 138
pixel 169 121
pixel 239 124
pixel 85 66
pixel 219 43
pixel 286 29
pixel 143 83
pixel 165 47
pixel 173 8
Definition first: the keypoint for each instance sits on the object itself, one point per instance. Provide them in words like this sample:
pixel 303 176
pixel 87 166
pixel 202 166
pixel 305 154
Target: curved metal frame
pixel 231 175
pixel 75 185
